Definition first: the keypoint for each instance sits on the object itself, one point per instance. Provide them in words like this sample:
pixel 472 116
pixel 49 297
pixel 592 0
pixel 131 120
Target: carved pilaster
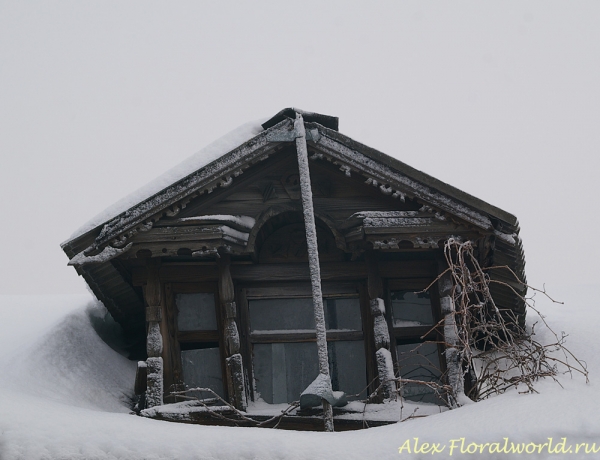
pixel 154 341
pixel 233 358
pixel 453 357
pixel 385 369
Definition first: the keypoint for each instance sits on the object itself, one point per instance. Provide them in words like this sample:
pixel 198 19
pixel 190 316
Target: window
pixel 417 354
pixel 283 346
pixel 198 338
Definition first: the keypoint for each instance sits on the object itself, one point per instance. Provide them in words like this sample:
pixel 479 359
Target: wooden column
pixel 173 378
pixel 154 342
pixel 233 358
pixel 385 366
pixel 453 358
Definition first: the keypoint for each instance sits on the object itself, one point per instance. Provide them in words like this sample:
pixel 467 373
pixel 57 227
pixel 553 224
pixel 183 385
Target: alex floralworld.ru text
pixel 461 446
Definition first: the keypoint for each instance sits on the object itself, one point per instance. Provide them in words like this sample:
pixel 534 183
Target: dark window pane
pixel 348 368
pixel 282 371
pixel 419 361
pixel 411 309
pixel 298 314
pixel 196 312
pixel 281 314
pixel 343 314
pixel 202 368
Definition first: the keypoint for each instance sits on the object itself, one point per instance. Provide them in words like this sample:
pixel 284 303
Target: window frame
pixel 301 289
pixel 198 336
pixel 416 334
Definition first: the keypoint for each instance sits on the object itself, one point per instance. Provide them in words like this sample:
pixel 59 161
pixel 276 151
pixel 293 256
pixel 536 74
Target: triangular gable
pixel 391 176
pixel 436 210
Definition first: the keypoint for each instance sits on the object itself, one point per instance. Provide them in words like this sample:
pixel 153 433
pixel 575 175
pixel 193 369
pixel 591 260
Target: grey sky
pixel 500 99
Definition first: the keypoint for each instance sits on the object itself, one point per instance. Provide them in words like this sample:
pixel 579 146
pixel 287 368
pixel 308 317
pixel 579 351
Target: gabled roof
pixel 219 165
pixel 391 175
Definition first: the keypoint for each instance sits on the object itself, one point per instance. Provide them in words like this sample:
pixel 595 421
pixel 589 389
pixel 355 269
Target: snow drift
pixel 65 394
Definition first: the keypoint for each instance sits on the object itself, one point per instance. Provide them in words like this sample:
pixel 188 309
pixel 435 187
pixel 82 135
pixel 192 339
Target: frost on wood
pixel 195 182
pixel 311 241
pixel 377 306
pixel 203 158
pixel 232 337
pixel 454 364
pixel 154 392
pixel 107 254
pixel 456 378
pixel 385 370
pixel 154 344
pixel 313 258
pixel 510 239
pixel 386 175
pixel 394 218
pixel 381 332
pixel 240 222
pixel 236 381
pixel 203 180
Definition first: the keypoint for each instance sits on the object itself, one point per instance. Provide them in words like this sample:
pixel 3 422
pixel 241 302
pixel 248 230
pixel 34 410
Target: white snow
pixel 406 323
pixel 380 330
pixel 234 234
pixel 320 386
pixel 200 159
pixel 510 239
pixel 246 222
pixel 380 305
pixel 63 395
pixel 104 256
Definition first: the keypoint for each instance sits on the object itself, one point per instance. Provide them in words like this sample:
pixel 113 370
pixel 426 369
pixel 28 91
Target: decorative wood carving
pixel 268 191
pixel 154 341
pixel 233 358
pixel 291 184
pixel 288 244
pixel 453 358
pixel 381 332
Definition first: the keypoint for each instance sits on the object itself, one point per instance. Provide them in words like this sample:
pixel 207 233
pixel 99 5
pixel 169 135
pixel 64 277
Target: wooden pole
pixel 313 259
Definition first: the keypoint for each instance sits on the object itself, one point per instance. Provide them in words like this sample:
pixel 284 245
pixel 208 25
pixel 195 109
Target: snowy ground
pixel 64 395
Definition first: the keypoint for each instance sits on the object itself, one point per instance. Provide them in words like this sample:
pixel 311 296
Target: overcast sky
pixel 500 99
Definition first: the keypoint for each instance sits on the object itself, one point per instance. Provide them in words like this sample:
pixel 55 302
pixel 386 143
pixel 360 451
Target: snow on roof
pixel 195 162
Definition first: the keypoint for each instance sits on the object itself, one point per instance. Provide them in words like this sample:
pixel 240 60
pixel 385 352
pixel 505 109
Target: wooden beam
pixel 194 273
pixel 332 336
pixel 198 336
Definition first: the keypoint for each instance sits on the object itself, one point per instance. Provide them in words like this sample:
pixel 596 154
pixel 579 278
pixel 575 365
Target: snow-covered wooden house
pixel 283 252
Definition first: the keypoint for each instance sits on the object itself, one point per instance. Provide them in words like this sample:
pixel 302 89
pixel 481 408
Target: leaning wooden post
pixel 456 378
pixel 233 358
pixel 381 334
pixel 313 260
pixel 154 345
